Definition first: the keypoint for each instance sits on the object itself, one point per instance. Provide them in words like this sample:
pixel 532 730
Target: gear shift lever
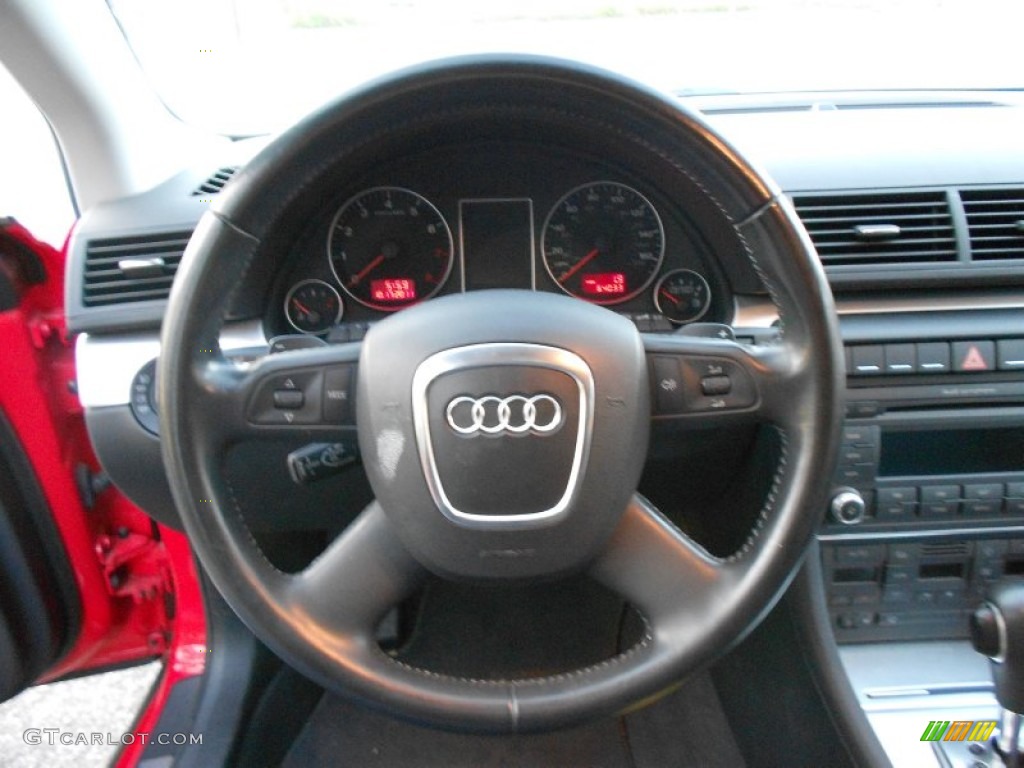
pixel 997 631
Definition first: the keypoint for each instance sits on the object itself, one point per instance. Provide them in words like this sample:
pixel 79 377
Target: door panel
pixel 87 580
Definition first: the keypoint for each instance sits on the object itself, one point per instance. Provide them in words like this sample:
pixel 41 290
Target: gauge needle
pixel 358 277
pixel 579 265
pixel 670 297
pixel 302 306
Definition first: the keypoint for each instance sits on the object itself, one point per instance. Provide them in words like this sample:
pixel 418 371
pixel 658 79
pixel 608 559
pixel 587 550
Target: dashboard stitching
pixel 621 658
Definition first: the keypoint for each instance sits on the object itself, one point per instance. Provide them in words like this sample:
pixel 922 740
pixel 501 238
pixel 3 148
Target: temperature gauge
pixel 682 296
pixel 312 306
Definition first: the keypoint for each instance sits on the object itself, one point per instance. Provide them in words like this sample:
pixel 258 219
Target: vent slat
pixel 993 217
pixel 170 245
pixel 892 257
pixel 888 244
pixel 830 229
pixel 1011 239
pixel 108 261
pixel 216 182
pixel 105 284
pixel 882 204
pixel 925 227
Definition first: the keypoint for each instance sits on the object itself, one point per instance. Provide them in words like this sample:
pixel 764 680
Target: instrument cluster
pixel 603 239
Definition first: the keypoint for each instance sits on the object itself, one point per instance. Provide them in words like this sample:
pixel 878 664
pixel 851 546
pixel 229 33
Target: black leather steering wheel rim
pixel 322 619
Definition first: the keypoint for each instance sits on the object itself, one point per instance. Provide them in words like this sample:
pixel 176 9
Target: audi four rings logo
pixel 514 414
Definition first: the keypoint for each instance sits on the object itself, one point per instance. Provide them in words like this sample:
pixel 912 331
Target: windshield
pixel 252 66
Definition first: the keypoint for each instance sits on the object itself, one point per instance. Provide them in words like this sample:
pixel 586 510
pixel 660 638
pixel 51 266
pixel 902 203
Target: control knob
pixel 848 507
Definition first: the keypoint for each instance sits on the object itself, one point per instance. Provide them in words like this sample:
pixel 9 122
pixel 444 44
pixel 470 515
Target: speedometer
pixel 390 247
pixel 603 242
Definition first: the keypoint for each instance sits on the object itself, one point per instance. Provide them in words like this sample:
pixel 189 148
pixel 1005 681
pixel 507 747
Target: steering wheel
pixel 503 432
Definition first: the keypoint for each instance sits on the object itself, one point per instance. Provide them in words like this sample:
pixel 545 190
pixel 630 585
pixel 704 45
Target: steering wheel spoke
pixel 713 381
pixel 656 567
pixel 308 393
pixel 357 579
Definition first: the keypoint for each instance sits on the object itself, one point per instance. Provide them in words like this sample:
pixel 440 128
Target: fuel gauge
pixel 682 296
pixel 312 306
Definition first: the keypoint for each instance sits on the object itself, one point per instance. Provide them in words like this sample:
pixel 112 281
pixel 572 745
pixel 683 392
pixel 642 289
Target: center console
pixel 928 500
pixel 927 511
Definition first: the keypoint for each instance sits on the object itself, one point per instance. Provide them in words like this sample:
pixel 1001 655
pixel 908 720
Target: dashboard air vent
pixel 878 229
pixel 995 223
pixel 216 182
pixel 129 269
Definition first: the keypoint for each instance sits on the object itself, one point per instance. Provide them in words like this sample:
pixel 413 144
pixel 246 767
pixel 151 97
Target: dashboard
pixel 922 242
pixel 470 219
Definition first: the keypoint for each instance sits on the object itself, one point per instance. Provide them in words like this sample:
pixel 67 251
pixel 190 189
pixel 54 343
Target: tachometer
pixel 603 242
pixel 312 306
pixel 390 247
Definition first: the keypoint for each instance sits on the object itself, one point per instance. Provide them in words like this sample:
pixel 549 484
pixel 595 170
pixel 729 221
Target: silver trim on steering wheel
pixel 503 354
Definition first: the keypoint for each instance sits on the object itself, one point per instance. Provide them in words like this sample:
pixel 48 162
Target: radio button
pixel 983 499
pixel 857 454
pixel 863 409
pixel 860 554
pixel 982 508
pixel 868 360
pixel 1015 498
pixel 896 595
pixel 903 554
pixel 939 500
pixel 900 358
pixel 951 596
pixel 988 572
pixel 983 491
pixel 974 356
pixel 859 474
pixel 866 435
pixel 991 550
pixel 939 509
pixel 932 493
pixel 1010 354
pixel 896 502
pixel 900 574
pixel 933 357
pixel 855 620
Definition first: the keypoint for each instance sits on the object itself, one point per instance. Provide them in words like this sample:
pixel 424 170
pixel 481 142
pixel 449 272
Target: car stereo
pixel 928 493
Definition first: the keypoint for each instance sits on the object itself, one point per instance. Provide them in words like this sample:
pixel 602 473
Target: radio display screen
pixel 951 451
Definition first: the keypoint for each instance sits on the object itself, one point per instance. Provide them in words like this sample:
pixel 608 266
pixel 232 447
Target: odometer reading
pixel 401 290
pixel 390 247
pixel 603 242
pixel 604 284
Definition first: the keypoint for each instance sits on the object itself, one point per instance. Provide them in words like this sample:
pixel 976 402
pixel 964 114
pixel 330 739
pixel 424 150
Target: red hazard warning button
pixel 973 356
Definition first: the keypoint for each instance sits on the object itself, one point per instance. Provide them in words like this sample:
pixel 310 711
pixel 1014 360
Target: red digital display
pixel 393 289
pixel 604 284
